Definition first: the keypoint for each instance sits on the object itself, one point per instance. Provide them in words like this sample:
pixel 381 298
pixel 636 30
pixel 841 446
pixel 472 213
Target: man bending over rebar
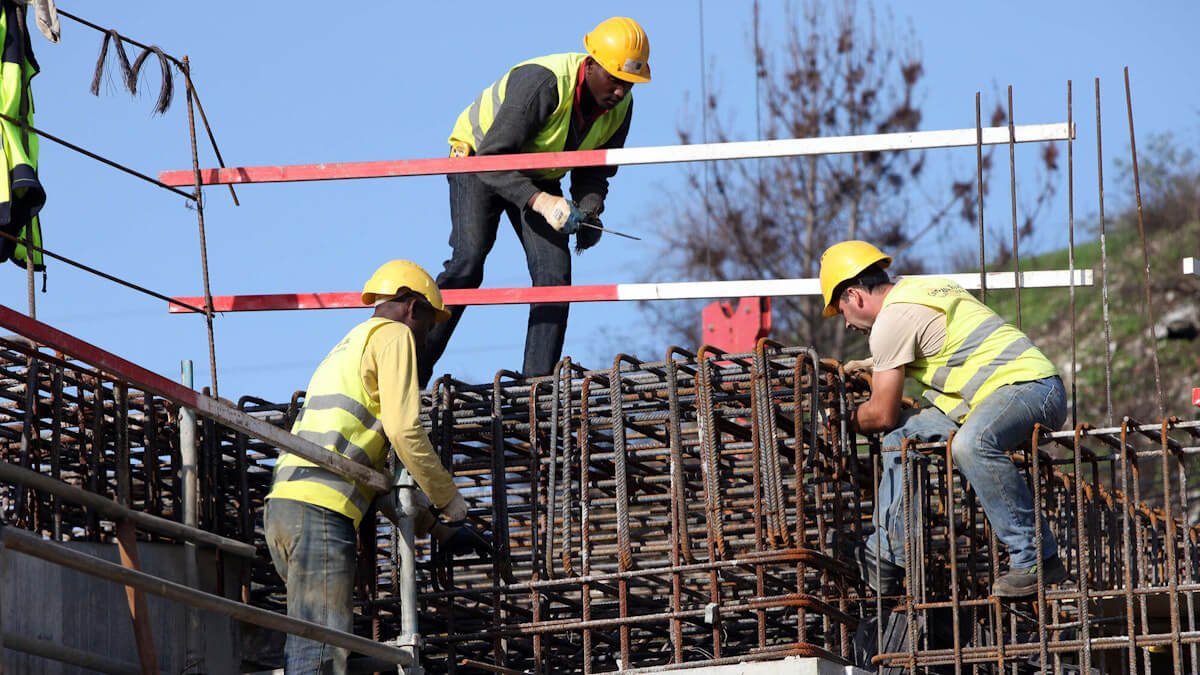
pixel 989 386
pixel 559 102
pixel 362 397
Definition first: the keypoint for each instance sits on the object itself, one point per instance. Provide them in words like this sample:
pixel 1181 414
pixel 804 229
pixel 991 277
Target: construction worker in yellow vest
pixel 989 386
pixel 559 102
pixel 362 399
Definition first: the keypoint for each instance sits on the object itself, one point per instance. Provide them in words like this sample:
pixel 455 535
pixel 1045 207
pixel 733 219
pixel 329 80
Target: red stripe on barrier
pixel 94 356
pixel 386 168
pixel 453 297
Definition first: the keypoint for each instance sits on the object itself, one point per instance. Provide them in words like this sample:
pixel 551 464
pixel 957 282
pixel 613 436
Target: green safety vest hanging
pixel 981 353
pixel 21 193
pixel 339 415
pixel 473 123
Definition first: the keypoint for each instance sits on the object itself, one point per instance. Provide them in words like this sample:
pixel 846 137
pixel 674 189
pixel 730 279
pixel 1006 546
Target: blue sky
pixel 308 82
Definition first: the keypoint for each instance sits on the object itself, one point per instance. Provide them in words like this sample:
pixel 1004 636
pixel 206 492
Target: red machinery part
pixel 736 329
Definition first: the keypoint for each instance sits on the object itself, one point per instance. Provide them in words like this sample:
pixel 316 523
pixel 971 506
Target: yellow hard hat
pixel 396 275
pixel 844 261
pixel 621 47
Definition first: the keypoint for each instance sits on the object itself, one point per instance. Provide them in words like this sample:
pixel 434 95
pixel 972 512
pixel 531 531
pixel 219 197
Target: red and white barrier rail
pixel 663 154
pixel 205 406
pixel 691 290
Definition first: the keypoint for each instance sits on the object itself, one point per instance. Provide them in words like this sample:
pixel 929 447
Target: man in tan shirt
pixel 989 385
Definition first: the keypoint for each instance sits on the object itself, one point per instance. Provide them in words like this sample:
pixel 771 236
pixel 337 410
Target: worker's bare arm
pixel 881 412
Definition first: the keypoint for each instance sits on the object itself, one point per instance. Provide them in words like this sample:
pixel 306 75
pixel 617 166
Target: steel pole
pixel 194 642
pixel 410 636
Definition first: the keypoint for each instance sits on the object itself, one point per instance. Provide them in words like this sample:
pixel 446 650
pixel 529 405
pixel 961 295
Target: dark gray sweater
pixel 530 99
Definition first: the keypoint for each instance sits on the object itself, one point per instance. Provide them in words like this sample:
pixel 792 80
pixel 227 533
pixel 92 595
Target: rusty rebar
pixel 765 598
pixel 1148 305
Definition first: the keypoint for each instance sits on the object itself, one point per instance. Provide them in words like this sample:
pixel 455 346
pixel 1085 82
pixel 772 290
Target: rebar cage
pixel 673 513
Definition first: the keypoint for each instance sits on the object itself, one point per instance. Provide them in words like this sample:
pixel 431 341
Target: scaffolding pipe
pixel 194 640
pixel 410 632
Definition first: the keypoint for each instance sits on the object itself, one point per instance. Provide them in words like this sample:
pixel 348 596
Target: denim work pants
pixel 998 424
pixel 313 551
pixel 474 220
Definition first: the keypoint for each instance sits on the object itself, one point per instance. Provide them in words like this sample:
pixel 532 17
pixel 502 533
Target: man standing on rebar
pixel 989 386
pixel 362 398
pixel 552 103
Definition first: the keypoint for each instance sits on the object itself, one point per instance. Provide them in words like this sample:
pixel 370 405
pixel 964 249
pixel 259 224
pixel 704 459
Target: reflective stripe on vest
pixel 980 354
pixel 333 438
pixel 341 416
pixel 318 476
pixel 473 123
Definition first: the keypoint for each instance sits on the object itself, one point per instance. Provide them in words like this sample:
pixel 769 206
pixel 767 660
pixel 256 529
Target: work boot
pixel 1022 582
pixel 886 579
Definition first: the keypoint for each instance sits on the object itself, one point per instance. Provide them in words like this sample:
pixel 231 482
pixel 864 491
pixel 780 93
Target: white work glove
pixel 455 511
pixel 562 214
pixel 858 366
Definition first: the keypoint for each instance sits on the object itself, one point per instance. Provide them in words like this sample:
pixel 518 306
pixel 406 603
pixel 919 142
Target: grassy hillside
pixel 1046 317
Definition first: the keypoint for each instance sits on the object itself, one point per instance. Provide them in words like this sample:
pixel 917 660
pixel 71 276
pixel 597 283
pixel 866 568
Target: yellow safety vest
pixel 21 192
pixel 339 415
pixel 981 353
pixel 474 122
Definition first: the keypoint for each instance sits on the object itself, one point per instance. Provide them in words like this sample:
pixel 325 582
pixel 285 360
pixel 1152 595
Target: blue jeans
pixel 998 424
pixel 474 220
pixel 313 550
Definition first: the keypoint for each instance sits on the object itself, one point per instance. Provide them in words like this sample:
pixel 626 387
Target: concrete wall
pixel 43 601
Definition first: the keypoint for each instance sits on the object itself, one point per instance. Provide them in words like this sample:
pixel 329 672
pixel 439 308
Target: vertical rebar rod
pixel 1188 552
pixel 568 503
pixel 57 421
pixel 552 487
pixel 585 517
pixel 199 205
pixel 979 195
pixel 1081 555
pixel 1012 190
pixel 30 437
pixel 1038 541
pixel 1108 405
pixel 535 527
pixel 951 519
pixel 756 478
pixel 1126 538
pixel 1149 306
pixel 910 566
pixel 121 440
pixel 30 282
pixel 1172 565
pixel 500 527
pixel 212 139
pixel 679 532
pixel 710 467
pixel 1071 249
